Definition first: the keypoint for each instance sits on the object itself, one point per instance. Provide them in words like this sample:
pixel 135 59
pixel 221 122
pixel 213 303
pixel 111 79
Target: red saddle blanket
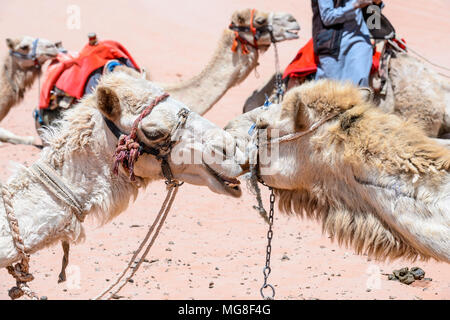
pixel 305 62
pixel 69 72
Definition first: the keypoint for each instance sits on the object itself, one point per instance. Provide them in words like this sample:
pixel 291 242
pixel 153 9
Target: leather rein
pixel 129 147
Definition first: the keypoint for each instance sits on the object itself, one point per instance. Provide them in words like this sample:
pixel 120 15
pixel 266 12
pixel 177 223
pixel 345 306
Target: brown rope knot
pixel 21 273
pixel 128 149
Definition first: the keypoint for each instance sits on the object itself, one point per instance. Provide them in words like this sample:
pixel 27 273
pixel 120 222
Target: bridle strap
pixel 289 137
pixel 314 127
pixel 253 29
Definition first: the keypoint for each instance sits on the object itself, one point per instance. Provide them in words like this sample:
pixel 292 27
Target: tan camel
pixel 376 182
pixel 228 68
pixel 20 69
pixel 80 149
pixel 414 92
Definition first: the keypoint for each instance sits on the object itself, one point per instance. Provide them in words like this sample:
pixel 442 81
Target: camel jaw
pixel 292 34
pixel 285 27
pixel 226 185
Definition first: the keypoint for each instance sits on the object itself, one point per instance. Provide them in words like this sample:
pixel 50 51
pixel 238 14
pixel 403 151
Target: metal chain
pixel 267 269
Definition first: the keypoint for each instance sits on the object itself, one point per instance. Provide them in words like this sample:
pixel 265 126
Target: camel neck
pixel 103 194
pixel 225 70
pixel 13 83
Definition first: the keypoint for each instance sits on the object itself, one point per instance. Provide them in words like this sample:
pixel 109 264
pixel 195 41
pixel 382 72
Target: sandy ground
pixel 212 247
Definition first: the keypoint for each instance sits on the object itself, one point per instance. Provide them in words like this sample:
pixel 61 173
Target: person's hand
pixel 362 3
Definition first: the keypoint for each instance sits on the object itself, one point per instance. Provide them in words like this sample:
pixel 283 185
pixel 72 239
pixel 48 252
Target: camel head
pixel 376 182
pixel 26 49
pixel 283 26
pixel 198 154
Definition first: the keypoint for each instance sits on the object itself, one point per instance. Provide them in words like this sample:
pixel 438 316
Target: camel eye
pixel 155 135
pixel 24 47
pixel 261 20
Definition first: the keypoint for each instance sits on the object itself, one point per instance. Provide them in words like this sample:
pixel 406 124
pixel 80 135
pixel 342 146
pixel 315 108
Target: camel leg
pixel 4 110
pixel 258 96
pixel 65 261
pixel 9 137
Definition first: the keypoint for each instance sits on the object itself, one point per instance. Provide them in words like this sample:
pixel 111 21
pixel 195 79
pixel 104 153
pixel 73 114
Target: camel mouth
pixel 230 185
pixel 293 33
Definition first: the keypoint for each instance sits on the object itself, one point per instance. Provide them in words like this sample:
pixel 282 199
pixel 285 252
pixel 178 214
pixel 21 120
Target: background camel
pixel 228 68
pixel 417 93
pixel 20 69
pixel 414 92
pixel 376 182
pixel 80 150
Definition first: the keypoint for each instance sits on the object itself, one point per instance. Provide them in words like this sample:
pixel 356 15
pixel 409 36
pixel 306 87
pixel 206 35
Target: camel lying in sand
pixel 20 69
pixel 376 182
pixel 80 149
pixel 414 92
pixel 228 68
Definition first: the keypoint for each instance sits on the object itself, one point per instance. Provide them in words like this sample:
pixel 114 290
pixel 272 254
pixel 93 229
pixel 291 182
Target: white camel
pixel 80 148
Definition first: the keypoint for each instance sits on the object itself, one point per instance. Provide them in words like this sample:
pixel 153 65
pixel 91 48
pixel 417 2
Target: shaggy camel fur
pixel 376 182
pixel 227 69
pixel 18 75
pixel 414 92
pixel 80 149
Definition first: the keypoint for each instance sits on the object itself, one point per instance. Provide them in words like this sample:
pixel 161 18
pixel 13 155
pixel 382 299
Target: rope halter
pixel 129 148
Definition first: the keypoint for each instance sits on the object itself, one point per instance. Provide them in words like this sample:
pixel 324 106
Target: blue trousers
pixel 353 64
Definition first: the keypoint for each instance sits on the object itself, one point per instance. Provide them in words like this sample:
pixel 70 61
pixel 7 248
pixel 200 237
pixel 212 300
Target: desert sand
pixel 212 247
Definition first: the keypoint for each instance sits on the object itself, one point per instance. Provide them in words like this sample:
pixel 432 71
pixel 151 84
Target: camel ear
pixel 58 44
pixel 108 103
pixel 10 43
pixel 293 108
